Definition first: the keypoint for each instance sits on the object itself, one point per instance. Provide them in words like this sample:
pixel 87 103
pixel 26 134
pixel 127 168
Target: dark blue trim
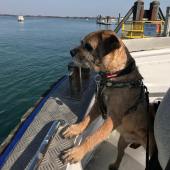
pixel 6 153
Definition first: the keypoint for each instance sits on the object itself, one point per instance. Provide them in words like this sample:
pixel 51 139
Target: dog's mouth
pixel 82 63
pixel 86 60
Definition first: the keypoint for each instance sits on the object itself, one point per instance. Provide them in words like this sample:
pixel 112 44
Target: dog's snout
pixel 73 52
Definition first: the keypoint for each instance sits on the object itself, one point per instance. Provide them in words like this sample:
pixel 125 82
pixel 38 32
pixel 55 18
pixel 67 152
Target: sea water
pixel 33 55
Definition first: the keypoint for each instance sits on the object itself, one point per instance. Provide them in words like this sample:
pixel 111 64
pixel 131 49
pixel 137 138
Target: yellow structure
pixel 138 29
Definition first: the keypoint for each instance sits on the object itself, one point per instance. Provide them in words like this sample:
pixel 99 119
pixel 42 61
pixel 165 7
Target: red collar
pixel 129 68
pixel 108 75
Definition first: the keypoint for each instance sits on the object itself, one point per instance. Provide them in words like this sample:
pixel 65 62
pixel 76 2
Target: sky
pixel 71 7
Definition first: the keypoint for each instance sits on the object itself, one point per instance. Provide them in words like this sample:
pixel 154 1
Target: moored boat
pixel 20 18
pixel 105 20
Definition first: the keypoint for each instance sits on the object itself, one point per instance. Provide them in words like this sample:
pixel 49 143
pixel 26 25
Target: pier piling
pixel 167 23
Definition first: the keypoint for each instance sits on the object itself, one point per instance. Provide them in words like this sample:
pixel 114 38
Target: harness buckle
pixel 98 80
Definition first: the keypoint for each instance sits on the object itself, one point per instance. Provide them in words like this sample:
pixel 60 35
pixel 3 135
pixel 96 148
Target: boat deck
pixel 59 106
pixel 105 154
pixel 153 59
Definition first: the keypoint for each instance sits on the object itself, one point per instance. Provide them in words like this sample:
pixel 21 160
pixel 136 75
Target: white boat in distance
pixel 20 18
pixel 105 20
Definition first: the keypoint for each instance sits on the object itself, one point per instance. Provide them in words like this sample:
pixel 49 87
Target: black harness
pixel 102 82
pixel 106 80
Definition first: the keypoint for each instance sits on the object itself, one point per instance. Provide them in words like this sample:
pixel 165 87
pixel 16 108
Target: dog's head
pixel 101 51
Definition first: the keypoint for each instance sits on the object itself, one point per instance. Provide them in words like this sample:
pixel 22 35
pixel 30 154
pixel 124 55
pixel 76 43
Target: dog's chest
pixel 118 100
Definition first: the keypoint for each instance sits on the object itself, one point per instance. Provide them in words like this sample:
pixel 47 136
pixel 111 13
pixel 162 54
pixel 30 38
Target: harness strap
pixel 102 105
pixel 99 97
pixel 138 101
pixel 101 84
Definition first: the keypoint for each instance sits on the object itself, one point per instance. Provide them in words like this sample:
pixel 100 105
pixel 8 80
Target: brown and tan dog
pixel 104 52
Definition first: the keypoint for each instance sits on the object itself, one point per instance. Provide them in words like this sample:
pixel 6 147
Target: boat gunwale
pixel 147 44
pixel 10 143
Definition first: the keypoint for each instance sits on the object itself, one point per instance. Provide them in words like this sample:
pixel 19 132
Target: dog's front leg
pixel 78 128
pixel 77 153
pixel 122 144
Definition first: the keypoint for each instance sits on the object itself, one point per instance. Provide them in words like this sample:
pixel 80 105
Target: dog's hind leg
pixel 78 128
pixel 122 144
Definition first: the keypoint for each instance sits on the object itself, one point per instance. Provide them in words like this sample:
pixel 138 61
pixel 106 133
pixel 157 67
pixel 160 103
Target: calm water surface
pixel 33 55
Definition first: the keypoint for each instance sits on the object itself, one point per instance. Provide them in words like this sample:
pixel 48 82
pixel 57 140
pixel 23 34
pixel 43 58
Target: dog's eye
pixel 88 47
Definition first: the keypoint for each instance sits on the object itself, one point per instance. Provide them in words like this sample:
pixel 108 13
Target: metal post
pixel 167 23
pixel 126 17
pixel 119 19
pixel 138 11
pixel 154 10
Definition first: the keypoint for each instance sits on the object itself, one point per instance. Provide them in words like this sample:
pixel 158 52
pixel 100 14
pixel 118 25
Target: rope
pixel 147 136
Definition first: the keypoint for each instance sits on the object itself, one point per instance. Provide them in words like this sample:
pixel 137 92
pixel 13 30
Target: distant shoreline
pixel 42 16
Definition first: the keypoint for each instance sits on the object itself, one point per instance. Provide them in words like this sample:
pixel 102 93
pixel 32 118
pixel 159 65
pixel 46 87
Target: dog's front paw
pixel 71 131
pixel 73 155
pixel 113 167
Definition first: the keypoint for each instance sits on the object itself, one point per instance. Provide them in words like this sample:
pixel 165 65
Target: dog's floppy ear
pixel 110 43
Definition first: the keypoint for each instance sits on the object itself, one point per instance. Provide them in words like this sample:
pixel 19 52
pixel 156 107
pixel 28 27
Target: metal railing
pixel 34 163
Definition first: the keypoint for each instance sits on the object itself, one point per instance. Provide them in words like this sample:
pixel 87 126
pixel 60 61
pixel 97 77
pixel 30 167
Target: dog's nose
pixel 73 52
